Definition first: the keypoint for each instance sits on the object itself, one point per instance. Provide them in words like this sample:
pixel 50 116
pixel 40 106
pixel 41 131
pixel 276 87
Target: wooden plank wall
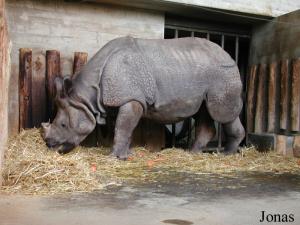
pixel 37 72
pixel 52 71
pixel 273 97
pixel 36 90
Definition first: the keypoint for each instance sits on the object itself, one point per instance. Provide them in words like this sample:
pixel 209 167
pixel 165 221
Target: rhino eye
pixel 63 125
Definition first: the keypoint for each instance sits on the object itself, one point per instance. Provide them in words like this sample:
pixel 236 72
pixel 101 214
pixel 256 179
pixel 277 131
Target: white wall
pixel 70 27
pixel 272 8
pixel 262 7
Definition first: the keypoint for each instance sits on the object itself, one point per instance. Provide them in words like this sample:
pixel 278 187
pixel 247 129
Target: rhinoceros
pixel 163 80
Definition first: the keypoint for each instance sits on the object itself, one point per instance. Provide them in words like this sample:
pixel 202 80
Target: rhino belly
pixel 174 111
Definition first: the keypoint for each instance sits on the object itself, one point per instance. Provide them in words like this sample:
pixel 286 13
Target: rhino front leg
pixel 128 117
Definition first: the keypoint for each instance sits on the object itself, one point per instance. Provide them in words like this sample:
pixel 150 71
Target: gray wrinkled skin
pixel 163 80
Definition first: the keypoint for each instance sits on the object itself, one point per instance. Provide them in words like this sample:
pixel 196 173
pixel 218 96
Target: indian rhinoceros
pixel 163 80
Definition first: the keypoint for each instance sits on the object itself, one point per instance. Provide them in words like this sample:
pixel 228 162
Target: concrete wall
pixel 261 7
pixel 4 76
pixel 69 27
pixel 276 40
pixel 270 8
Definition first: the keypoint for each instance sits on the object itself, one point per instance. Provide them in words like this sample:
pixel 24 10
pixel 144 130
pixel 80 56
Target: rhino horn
pixel 46 128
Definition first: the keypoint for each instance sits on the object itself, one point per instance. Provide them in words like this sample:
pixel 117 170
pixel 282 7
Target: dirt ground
pixel 189 199
pixel 173 186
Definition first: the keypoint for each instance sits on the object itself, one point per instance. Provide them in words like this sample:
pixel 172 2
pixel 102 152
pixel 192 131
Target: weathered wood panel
pixel 105 133
pixel 25 79
pixel 259 123
pixel 280 146
pixel 137 136
pixel 296 146
pixel 39 99
pixel 272 90
pixel 52 71
pixel 153 135
pixel 273 97
pixel 80 59
pixel 251 97
pixel 284 65
pixel 295 95
pixel 285 145
pixel 4 80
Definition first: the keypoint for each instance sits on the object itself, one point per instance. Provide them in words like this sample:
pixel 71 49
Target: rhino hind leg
pixel 235 133
pixel 205 129
pixel 128 117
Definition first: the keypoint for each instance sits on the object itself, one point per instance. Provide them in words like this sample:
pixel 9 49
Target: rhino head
pixel 73 121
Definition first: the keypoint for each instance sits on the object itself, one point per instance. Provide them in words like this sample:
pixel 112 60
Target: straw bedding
pixel 31 168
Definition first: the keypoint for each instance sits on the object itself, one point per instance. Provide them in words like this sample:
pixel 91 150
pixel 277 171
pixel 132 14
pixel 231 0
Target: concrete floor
pixel 196 199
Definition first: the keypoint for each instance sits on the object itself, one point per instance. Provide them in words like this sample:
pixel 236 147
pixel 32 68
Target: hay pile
pixel 31 168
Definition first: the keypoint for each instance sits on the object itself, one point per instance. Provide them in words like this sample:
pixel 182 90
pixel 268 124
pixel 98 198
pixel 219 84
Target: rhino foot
pixel 121 154
pixel 196 150
pixel 231 152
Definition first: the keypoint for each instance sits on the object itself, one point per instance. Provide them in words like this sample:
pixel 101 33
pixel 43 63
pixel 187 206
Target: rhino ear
pixel 58 84
pixel 68 85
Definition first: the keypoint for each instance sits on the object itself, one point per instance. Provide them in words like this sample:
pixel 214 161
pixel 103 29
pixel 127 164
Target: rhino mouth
pixel 62 148
pixel 65 148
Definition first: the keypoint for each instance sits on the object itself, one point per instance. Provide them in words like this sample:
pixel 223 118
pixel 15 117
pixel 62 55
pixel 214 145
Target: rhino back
pixel 185 61
pixel 189 71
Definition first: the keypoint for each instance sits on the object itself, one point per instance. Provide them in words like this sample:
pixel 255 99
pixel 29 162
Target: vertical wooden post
pixel 4 80
pixel 251 97
pixel 25 79
pixel 284 93
pixel 296 146
pixel 295 97
pixel 80 59
pixel 52 71
pixel 272 98
pixel 259 124
pixel 39 99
